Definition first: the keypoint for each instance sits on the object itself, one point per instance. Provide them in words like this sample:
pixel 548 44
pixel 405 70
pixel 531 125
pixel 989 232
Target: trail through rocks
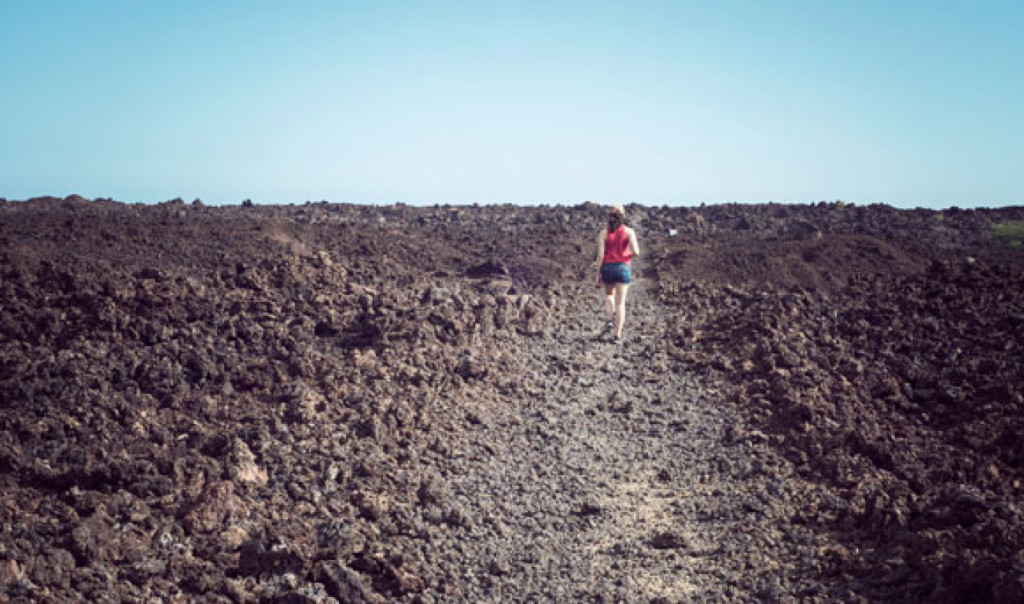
pixel 611 482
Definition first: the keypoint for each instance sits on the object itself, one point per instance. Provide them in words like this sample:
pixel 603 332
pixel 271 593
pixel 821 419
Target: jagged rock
pixel 218 504
pixel 344 583
pixel 241 465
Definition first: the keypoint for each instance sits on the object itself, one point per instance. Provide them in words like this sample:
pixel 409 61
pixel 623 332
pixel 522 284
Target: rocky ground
pixel 344 403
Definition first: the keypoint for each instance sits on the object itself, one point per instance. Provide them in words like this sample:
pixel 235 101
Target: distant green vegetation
pixel 1009 234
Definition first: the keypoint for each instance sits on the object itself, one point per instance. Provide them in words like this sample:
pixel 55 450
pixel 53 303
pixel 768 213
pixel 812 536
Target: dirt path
pixel 615 481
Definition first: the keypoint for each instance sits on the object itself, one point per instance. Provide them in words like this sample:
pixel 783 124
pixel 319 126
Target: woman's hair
pixel 616 216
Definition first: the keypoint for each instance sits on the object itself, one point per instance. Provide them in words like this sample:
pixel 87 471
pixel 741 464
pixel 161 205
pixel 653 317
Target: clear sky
pixel 911 103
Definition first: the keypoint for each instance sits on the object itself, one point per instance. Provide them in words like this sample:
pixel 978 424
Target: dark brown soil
pixel 368 404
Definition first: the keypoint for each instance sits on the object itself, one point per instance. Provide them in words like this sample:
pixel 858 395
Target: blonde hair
pixel 616 217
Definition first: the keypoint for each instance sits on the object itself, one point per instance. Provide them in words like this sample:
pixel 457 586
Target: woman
pixel 616 246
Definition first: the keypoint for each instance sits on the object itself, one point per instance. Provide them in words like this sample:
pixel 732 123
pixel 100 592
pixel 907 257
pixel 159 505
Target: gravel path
pixel 613 482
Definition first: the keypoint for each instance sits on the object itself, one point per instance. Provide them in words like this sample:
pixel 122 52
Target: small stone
pixel 433 491
pixel 589 508
pixel 234 536
pixel 669 540
pixel 216 505
pixel 499 566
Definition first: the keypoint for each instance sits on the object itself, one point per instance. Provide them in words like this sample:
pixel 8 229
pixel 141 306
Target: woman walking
pixel 616 246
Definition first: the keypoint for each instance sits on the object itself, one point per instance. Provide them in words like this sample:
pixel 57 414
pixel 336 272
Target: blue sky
pixel 910 103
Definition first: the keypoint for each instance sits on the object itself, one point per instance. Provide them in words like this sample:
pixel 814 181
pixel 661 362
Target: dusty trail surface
pixel 339 403
pixel 609 481
pixel 588 477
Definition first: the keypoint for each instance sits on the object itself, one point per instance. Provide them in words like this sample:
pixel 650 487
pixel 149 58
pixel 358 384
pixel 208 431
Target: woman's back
pixel 616 245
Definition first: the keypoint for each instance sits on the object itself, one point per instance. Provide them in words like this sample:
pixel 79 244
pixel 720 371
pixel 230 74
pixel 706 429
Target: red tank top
pixel 616 246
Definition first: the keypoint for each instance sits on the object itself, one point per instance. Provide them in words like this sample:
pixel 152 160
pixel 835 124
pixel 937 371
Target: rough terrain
pixel 334 402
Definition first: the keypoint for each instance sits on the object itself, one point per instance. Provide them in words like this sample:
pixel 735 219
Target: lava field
pixel 341 403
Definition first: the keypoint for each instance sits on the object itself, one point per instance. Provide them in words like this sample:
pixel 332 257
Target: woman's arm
pixel 600 254
pixel 634 247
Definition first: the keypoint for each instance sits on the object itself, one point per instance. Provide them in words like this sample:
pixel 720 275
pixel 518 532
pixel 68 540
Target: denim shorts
pixel 618 272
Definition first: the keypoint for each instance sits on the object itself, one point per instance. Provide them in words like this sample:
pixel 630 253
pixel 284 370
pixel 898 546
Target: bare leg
pixel 609 301
pixel 620 307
